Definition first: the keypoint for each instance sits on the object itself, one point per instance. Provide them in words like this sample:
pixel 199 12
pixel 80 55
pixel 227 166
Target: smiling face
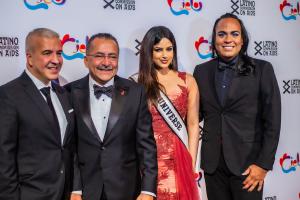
pixel 163 53
pixel 44 59
pixel 102 60
pixel 228 41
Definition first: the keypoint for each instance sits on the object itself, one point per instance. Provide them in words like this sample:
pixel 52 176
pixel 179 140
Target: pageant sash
pixel 168 112
pixel 172 118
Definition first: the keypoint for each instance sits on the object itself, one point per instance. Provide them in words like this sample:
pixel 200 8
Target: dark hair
pixel 248 64
pixel 106 36
pixel 147 68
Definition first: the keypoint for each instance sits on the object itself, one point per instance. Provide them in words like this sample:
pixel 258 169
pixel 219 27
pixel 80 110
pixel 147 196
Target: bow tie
pixel 222 65
pixel 98 91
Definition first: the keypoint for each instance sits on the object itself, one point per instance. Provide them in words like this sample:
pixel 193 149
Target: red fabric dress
pixel 175 173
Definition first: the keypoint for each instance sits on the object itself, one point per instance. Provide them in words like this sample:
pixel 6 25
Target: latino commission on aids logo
pixel 42 4
pixel 243 7
pixel 289 163
pixel 184 7
pixel 291 86
pixel 203 48
pixel 128 5
pixel 73 48
pixel 137 47
pixel 290 10
pixel 9 46
pixel 266 48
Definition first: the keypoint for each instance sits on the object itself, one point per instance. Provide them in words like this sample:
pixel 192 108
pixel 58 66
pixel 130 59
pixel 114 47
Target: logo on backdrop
pixel 73 48
pixel 203 47
pixel 243 7
pixel 271 198
pixel 291 86
pixel 289 11
pixel 289 163
pixel 266 48
pixel 119 4
pixel 42 4
pixel 9 47
pixel 184 7
pixel 137 47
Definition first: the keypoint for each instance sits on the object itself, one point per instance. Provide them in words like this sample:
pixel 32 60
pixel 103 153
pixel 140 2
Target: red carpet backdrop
pixel 273 25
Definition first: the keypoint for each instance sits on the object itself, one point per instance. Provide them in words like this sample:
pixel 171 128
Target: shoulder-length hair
pixel 147 68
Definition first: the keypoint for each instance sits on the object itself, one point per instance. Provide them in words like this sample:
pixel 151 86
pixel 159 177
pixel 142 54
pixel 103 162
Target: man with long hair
pixel 241 109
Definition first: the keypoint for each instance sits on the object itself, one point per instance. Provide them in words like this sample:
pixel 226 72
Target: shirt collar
pixel 232 61
pixel 39 84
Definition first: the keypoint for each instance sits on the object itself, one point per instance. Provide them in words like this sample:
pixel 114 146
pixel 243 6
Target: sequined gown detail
pixel 172 154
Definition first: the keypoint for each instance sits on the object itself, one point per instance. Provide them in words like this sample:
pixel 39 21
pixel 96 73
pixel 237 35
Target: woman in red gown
pixel 158 71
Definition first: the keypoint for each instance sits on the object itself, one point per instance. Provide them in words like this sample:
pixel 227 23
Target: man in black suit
pixel 36 126
pixel 240 105
pixel 116 147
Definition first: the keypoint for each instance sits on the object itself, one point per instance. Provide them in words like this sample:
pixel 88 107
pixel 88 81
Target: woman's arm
pixel 193 117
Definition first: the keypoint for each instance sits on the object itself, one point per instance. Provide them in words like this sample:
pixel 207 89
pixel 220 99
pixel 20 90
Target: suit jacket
pixel 247 126
pixel 124 163
pixel 34 164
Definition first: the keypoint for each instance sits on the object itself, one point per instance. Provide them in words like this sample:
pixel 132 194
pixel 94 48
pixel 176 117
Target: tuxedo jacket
pixel 247 125
pixel 34 164
pixel 124 163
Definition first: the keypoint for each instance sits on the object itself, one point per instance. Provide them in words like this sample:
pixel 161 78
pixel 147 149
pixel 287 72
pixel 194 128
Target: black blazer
pixel 247 126
pixel 124 163
pixel 33 163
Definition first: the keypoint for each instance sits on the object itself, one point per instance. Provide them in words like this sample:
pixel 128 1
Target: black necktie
pixel 98 91
pixel 46 93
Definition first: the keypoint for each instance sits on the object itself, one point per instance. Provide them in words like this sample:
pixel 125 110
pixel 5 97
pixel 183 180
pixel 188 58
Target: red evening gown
pixel 175 173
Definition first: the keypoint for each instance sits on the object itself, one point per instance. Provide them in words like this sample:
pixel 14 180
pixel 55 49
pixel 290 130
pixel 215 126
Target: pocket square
pixel 71 110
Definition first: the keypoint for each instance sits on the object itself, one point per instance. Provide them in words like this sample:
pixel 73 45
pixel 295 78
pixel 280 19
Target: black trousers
pixel 223 185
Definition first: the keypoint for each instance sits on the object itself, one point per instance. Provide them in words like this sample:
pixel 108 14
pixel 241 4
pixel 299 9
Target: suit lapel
pixel 81 92
pixel 118 100
pixel 39 101
pixel 63 98
pixel 217 87
pixel 213 75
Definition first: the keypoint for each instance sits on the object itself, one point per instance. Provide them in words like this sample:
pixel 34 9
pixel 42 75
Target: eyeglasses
pixel 101 57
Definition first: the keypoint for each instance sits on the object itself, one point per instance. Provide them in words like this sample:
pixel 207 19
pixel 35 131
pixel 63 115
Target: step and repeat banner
pixel 273 26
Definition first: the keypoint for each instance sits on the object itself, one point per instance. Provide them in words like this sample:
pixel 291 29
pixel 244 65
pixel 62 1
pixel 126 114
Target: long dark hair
pixel 246 64
pixel 147 68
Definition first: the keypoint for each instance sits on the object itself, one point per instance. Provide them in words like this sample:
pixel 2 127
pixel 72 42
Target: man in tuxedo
pixel 240 105
pixel 36 126
pixel 116 147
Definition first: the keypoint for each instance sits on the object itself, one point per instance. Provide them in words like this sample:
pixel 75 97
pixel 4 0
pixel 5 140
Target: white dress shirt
pixel 100 108
pixel 62 120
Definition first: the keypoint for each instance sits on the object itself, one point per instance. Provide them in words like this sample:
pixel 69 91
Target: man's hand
pixel 75 197
pixel 256 176
pixel 145 197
